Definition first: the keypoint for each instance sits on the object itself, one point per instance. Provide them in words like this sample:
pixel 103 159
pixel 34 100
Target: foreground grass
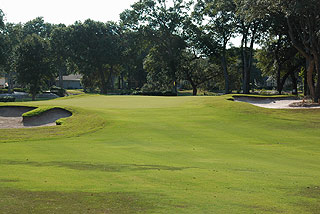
pixel 163 155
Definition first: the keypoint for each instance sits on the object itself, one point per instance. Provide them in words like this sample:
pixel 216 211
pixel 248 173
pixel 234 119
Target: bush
pixel 7 99
pixel 3 91
pixel 61 92
pixel 154 93
pixel 19 90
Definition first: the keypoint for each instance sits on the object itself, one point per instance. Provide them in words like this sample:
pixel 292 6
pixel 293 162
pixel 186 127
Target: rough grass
pixel 164 155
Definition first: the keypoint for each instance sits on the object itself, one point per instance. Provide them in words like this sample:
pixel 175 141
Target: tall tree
pixel 197 70
pixel 39 27
pixel 162 22
pixel 33 66
pixel 60 47
pixel 214 26
pixel 13 37
pixel 250 31
pixel 134 49
pixel 303 18
pixel 280 59
pixel 94 47
pixel 2 38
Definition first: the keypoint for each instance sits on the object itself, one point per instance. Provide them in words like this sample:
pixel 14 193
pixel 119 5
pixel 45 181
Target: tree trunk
pixel 310 78
pixel 119 82
pixel 279 66
pixel 279 85
pixel 283 81
pixel 306 90
pixel 250 59
pixel 317 89
pixel 225 72
pixel 246 69
pixel 61 78
pixel 194 90
pixel 175 87
pixel 33 97
pixel 111 78
pixel 174 78
pixel 294 84
pixel 10 88
pixel 245 82
pixel 103 88
pixel 122 82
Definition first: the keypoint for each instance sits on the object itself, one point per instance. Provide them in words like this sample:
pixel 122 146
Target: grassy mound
pixel 81 122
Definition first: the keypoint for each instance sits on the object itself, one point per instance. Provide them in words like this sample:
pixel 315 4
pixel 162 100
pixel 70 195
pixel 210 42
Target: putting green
pixel 132 154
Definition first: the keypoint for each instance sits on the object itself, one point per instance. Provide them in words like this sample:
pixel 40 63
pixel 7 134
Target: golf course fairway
pixel 135 154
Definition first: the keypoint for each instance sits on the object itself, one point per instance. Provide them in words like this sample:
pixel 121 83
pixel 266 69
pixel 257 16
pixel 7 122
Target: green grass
pixel 132 154
pixel 38 111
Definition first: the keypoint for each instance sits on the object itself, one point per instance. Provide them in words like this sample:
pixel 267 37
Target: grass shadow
pixel 13 201
pixel 95 167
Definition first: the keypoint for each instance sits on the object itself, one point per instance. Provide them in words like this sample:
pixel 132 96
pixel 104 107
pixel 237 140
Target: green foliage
pixel 162 24
pixel 33 67
pixel 197 70
pixel 301 18
pixel 3 91
pixel 135 48
pixel 61 92
pixel 154 93
pixel 94 47
pixel 145 49
pixel 13 36
pixel 38 27
pixel 19 90
pixel 2 39
pixel 1 19
pixel 7 99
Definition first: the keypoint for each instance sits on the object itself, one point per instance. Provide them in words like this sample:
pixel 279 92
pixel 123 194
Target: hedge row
pixel 5 90
pixel 7 99
pixel 154 93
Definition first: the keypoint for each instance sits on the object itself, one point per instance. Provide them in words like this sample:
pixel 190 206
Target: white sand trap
pixel 273 103
pixel 11 117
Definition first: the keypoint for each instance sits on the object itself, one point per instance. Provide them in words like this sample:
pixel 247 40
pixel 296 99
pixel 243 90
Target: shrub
pixel 7 99
pixel 61 92
pixel 19 90
pixel 154 93
pixel 3 91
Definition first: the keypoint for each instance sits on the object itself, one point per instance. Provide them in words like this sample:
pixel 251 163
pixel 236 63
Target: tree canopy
pixel 164 45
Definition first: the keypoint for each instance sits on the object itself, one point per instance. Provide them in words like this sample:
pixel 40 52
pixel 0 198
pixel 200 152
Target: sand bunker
pixel 11 117
pixel 275 103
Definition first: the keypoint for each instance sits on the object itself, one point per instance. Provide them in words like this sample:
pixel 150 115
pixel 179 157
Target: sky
pixel 67 11
pixel 63 11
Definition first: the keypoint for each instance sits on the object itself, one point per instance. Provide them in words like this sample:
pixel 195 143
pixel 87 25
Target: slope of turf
pixel 163 155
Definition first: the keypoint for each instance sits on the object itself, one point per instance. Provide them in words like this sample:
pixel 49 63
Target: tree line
pixel 160 45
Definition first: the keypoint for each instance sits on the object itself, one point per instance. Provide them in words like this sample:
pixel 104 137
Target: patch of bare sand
pixel 276 103
pixel 11 117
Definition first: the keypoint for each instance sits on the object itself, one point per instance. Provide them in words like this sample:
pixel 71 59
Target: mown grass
pixel 164 155
pixel 38 111
pixel 82 121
